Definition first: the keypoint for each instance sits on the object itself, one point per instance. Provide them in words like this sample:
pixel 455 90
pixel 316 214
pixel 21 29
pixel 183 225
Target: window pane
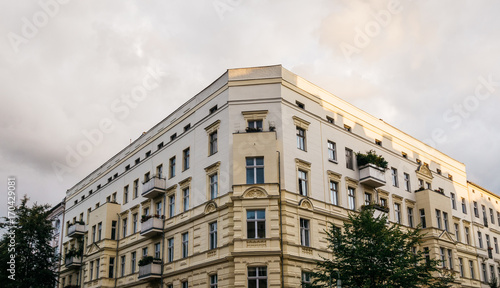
pixel 260 160
pixel 250 179
pixel 260 175
pixel 261 214
pixel 252 271
pixel 251 230
pixel 261 226
pixel 250 161
pixel 251 214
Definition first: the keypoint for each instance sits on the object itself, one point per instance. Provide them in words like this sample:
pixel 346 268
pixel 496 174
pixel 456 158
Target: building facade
pixel 236 187
pixel 56 216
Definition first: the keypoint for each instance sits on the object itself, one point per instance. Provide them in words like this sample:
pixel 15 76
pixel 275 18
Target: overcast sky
pixel 429 68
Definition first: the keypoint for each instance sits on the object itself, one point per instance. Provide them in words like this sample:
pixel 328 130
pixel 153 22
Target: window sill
pixel 333 161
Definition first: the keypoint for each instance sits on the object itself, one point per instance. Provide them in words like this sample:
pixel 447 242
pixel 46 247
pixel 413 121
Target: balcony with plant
pixel 150 268
pixel 371 168
pixel 151 224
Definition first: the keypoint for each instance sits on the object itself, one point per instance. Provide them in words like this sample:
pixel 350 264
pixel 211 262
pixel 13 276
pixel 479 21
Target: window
pixel 212 143
pixel 144 251
pixel 443 257
pixel 405 155
pixel 347 128
pixel 301 139
pixel 170 250
pixel 93 233
pixel 147 176
pixel 134 223
pixel 422 218
pixel 351 196
pixel 137 161
pixel 148 154
pixel 122 269
pixel 368 198
pixel 476 211
pixel 213 109
pixel 302 182
pixel 488 243
pixel 257 277
pixel 464 207
pixel 171 172
pixel 91 270
pixel 185 159
pixel 126 169
pixel 125 194
pixel 304 232
pixel 173 136
pixel 306 277
pixel 133 262
pixel 450 259
pixel 332 151
pixel 394 176
pixel 495 243
pixel 157 250
pixel 485 220
pixel 187 127
pixel 111 268
pixel 212 235
pixel 471 266
pixel 136 188
pixel 300 105
pixel 461 267
pixel 485 275
pixel 213 281
pixel 99 231
pixel 213 186
pixel 492 218
pixel 421 183
pixel 445 221
pixel 113 197
pixel 185 198
pixel 185 284
pixel 397 212
pixel 428 185
pixel 427 255
pixel 334 193
pixel 185 244
pixel 410 217
pixel 378 142
pixel 254 125
pixel 171 206
pixel 113 230
pixel 160 145
pixel 349 160
pixel 383 202
pixel 124 227
pixel 256 224
pixel 145 212
pixel 407 181
pixel 453 201
pixel 457 232
pixel 480 239
pixel 255 170
pixel 492 271
pixel 330 120
pixel 467 238
pixel 158 208
pixel 159 171
pixel 438 218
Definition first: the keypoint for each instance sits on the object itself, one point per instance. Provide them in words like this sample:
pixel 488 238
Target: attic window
pixel 160 145
pixel 347 128
pixel 127 167
pixel 300 105
pixel 109 179
pixel 404 155
pixel 378 142
pixel 137 161
pixel 330 120
pixel 187 127
pixel 148 153
pixel 450 177
pixel 98 186
pixel 90 192
pixel 173 136
pixel 213 109
pixel 115 176
pixel 438 171
pixel 418 161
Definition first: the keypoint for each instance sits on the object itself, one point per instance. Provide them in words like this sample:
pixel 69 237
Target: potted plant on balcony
pixel 148 260
pixel 145 218
pixel 371 157
pixel 253 129
pixel 375 206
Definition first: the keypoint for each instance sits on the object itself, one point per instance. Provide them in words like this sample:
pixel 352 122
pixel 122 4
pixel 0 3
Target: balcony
pixel 150 271
pixel 151 226
pixel 153 187
pixel 378 210
pixel 76 229
pixel 372 175
pixel 73 262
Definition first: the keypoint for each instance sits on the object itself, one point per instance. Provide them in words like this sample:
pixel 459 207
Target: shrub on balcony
pixel 74 252
pixel 252 129
pixel 145 218
pixel 77 222
pixel 371 157
pixel 375 206
pixel 148 260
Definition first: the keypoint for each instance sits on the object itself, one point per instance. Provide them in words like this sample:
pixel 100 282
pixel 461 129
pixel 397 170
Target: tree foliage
pixel 369 253
pixel 35 259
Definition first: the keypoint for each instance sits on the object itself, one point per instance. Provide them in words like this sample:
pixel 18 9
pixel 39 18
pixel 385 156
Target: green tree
pixel 370 253
pixel 35 259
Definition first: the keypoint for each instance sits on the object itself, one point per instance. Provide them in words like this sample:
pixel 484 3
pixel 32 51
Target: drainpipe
pixel 117 246
pixel 281 222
